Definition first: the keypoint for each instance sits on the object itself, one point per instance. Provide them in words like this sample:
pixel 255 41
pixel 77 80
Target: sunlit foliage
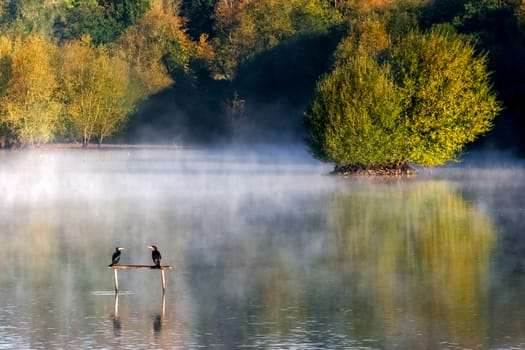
pixel 227 14
pixel 226 17
pixel 29 105
pixel 97 91
pixel 170 41
pixel 387 102
pixel 6 72
pixel 250 27
pixel 156 45
pixel 447 95
pixel 356 116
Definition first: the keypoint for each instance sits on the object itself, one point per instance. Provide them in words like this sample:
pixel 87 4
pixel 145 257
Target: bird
pixel 116 256
pixel 155 255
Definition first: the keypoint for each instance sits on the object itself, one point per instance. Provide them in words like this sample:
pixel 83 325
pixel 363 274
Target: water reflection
pixel 116 321
pixel 385 265
pixel 159 317
pixel 157 324
pixel 277 258
pixel 421 255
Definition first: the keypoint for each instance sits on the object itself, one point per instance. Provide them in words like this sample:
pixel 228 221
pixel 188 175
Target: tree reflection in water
pixel 264 259
pixel 420 255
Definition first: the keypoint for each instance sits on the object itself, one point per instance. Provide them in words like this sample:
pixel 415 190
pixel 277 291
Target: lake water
pixel 268 252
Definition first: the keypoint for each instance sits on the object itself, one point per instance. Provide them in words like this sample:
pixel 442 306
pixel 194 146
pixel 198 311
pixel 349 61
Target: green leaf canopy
pixel 388 102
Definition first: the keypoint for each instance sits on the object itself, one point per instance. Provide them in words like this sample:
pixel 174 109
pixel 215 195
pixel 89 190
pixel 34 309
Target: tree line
pixel 377 82
pixel 76 70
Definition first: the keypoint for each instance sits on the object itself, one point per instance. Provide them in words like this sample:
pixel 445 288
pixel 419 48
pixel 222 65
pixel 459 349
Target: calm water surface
pixel 268 253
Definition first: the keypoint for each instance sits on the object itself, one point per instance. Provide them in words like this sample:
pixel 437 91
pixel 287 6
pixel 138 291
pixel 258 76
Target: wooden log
pixel 141 267
pixel 145 267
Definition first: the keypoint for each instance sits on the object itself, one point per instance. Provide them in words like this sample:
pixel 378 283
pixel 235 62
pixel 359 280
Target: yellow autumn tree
pixel 6 49
pixel 30 105
pixel 155 45
pixel 97 92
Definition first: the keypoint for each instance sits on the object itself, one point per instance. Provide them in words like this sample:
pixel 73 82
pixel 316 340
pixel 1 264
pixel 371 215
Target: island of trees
pixel 369 84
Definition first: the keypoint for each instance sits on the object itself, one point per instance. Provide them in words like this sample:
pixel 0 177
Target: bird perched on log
pixel 155 255
pixel 115 258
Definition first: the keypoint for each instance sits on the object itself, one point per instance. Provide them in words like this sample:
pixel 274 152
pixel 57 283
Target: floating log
pixel 142 267
pixel 146 267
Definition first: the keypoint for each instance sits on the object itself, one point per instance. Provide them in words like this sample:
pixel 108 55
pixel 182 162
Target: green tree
pixel 156 45
pixel 6 72
pixel 391 102
pixel 29 16
pixel 226 17
pixel 247 28
pixel 87 18
pixel 30 104
pixel 97 91
pixel 103 20
pixel 448 98
pixel 125 12
pixel 356 117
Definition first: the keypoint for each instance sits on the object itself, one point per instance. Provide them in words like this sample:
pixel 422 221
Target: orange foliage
pixel 204 49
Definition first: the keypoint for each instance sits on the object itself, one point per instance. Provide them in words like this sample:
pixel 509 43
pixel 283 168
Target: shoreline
pixel 106 146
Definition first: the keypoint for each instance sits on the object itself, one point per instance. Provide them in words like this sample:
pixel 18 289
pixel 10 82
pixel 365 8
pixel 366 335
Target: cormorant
pixel 116 256
pixel 155 255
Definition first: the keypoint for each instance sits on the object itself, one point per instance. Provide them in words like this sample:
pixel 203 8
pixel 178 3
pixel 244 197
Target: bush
pixel 417 100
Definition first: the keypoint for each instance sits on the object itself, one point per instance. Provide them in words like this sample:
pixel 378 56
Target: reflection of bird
pixel 157 323
pixel 155 255
pixel 116 256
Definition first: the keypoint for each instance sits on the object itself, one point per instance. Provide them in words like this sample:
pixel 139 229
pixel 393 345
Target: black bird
pixel 116 256
pixel 155 255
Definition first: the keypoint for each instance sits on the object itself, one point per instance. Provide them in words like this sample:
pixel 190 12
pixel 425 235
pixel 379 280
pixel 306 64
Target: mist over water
pixel 267 250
